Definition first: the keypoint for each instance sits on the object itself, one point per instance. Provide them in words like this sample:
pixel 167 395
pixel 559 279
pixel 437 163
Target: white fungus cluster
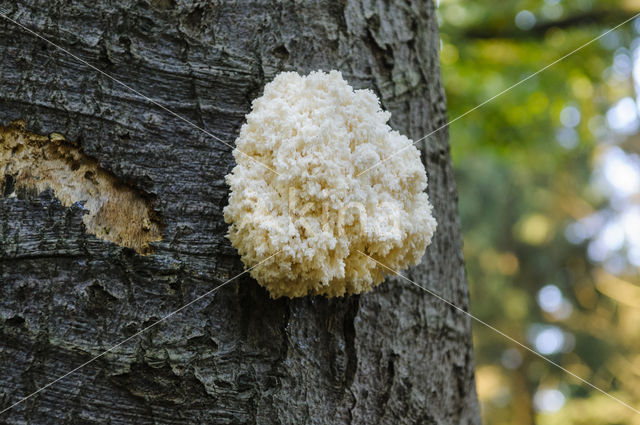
pixel 303 188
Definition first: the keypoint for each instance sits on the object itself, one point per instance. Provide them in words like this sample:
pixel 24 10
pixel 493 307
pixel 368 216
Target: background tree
pixel 395 355
pixel 548 176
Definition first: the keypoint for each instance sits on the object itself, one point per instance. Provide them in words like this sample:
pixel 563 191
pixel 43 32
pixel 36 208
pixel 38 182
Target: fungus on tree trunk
pixel 320 179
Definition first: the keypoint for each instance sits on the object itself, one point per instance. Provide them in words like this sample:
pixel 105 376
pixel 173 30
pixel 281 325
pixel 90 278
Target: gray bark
pixel 395 355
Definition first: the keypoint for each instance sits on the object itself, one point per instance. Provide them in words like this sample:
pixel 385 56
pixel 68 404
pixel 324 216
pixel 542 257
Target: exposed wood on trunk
pixel 113 211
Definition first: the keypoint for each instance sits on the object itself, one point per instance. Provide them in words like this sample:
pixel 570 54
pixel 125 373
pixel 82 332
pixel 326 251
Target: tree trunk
pixel 72 287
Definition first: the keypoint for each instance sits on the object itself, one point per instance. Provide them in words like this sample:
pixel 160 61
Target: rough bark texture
pixel 392 356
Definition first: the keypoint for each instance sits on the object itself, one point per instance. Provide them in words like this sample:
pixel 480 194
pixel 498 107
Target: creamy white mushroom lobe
pixel 318 210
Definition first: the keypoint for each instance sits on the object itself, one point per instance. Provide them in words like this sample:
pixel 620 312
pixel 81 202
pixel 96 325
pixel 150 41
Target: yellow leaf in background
pixel 489 381
pixel 631 5
pixel 449 54
pixel 533 229
pixel 620 290
pixel 581 87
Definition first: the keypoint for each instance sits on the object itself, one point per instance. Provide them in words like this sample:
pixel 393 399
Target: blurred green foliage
pixel 529 166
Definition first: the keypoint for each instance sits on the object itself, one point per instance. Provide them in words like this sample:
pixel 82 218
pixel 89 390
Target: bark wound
pixel 114 211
